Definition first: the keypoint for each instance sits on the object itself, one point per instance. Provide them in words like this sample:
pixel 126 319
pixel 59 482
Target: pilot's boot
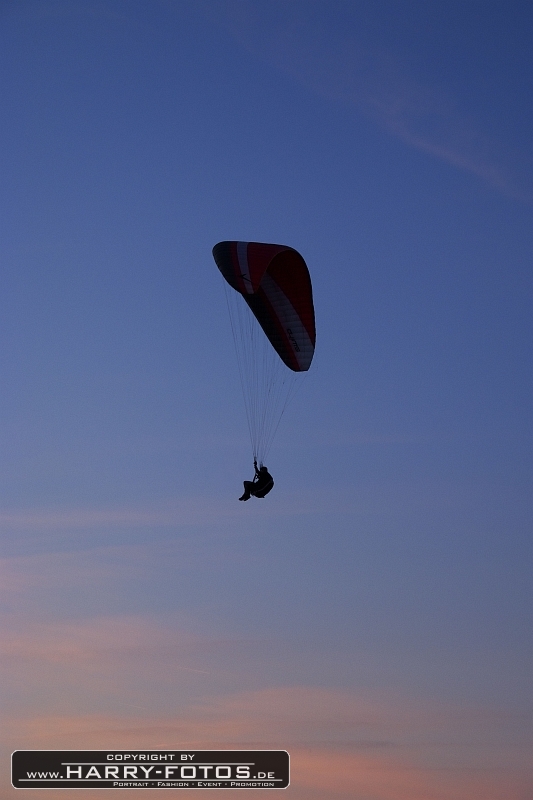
pixel 246 495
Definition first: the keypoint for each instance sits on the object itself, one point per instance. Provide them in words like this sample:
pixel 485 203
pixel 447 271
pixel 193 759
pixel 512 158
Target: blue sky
pixel 388 573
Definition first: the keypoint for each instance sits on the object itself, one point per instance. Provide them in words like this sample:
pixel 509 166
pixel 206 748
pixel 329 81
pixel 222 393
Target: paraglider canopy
pixel 274 281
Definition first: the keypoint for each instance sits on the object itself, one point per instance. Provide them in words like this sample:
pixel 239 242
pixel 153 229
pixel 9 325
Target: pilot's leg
pixel 247 490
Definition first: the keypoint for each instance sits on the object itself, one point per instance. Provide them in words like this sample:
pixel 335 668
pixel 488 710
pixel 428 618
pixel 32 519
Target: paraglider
pixel 262 483
pixel 274 283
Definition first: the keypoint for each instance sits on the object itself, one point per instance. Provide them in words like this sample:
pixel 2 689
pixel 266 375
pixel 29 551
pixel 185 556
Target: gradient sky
pixel 373 614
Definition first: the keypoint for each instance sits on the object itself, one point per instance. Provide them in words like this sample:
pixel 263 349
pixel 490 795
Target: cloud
pixel 401 766
pixel 338 65
pixel 121 682
pixel 194 511
pixel 120 663
pixel 83 641
pixel 188 511
pixel 97 566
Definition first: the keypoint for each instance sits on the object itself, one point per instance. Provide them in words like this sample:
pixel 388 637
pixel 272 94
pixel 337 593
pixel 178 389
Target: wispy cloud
pixel 400 762
pixel 128 664
pixel 121 681
pixel 227 515
pixel 190 511
pixel 338 65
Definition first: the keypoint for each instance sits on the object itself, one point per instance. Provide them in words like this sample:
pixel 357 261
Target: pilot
pixel 261 484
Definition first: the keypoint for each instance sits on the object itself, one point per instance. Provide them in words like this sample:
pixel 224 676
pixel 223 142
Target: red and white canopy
pixel 274 281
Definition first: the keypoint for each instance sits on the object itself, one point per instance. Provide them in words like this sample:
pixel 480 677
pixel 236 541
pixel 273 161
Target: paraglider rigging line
pixel 268 386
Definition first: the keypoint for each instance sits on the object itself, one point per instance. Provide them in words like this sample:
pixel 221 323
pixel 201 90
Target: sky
pixel 372 615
